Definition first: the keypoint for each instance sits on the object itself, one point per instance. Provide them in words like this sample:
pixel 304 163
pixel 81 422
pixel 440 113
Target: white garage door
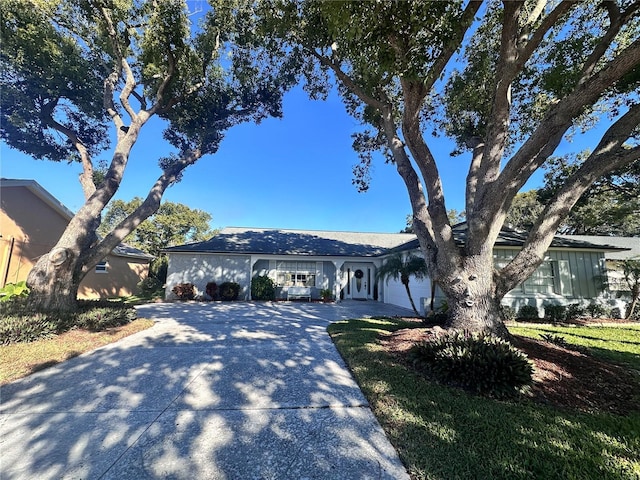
pixel 396 294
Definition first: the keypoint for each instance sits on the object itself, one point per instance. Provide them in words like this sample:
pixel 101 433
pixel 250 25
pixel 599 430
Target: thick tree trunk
pixel 472 299
pixel 482 315
pixel 53 282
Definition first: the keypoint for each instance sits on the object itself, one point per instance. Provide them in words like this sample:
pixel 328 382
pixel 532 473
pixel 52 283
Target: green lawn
pixel 443 433
pixel 618 343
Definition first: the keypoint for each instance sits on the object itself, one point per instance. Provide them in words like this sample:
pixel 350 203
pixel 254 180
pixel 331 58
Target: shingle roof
pixel 628 247
pixel 297 242
pixel 272 241
pixel 510 237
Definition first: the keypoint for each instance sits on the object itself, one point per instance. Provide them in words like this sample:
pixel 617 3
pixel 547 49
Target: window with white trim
pixel 302 274
pixel 543 280
pixel 102 267
pixel 552 276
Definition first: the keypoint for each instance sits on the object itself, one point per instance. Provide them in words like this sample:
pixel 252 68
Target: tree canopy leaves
pixel 78 76
pixel 505 80
pixel 173 224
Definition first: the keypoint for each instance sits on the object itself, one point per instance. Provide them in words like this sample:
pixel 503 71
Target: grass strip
pixel 618 344
pixel 444 433
pixel 21 359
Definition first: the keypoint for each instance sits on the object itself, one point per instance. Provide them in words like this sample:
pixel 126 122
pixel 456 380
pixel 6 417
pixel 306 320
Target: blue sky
pixel 293 172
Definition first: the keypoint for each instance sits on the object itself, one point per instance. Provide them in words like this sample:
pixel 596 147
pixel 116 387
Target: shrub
pixel 149 286
pixel 11 291
pixel 98 318
pixel 555 313
pixel 507 313
pixel 478 362
pixel 212 290
pixel 263 288
pixel 185 291
pixel 229 291
pixel 158 268
pixel 528 312
pixel 575 310
pixel 19 323
pixel 26 328
pixel 616 312
pixel 597 310
pixel 326 294
pixel 555 339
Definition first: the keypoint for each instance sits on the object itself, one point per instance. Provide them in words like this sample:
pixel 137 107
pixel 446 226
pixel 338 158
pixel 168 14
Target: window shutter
pixel 563 278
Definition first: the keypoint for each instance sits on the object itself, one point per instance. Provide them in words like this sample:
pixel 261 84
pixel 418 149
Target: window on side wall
pixel 543 280
pixel 551 277
pixel 102 267
pixel 300 274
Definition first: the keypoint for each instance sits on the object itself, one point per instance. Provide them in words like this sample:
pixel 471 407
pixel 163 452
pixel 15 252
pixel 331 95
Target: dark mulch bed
pixel 563 377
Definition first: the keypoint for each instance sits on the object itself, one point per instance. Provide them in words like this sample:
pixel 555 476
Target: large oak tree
pixel 506 80
pixel 81 76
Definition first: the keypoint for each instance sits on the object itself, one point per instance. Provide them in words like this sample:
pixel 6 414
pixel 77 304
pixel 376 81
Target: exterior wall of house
pixel 120 279
pixel 30 228
pixel 395 293
pixel 578 277
pixel 203 268
pixel 567 276
pixel 571 276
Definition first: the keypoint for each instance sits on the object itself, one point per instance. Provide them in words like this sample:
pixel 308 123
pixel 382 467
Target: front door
pixel 358 281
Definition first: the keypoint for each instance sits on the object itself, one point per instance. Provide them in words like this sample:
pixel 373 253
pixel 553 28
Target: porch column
pixel 337 282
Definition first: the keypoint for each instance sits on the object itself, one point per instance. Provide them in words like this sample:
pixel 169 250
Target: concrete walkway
pixel 212 391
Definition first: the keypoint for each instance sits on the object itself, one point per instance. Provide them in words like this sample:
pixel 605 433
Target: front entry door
pixel 359 281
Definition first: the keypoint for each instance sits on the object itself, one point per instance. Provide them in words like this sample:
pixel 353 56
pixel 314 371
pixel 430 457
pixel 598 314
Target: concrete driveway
pixel 212 391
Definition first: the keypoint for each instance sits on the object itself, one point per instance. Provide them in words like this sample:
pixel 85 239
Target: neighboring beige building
pixel 32 221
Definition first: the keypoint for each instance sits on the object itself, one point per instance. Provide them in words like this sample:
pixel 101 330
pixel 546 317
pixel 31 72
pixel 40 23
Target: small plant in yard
pixel 98 316
pixel 185 291
pixel 12 291
pixel 149 286
pixel 575 310
pixel 27 328
pixel 19 323
pixel 507 313
pixel 212 291
pixel 597 310
pixel 555 313
pixel 478 362
pixel 229 291
pixel 263 288
pixel 326 294
pixel 555 339
pixel 528 312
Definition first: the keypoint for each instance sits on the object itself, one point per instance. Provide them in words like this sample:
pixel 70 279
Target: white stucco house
pixel 346 263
